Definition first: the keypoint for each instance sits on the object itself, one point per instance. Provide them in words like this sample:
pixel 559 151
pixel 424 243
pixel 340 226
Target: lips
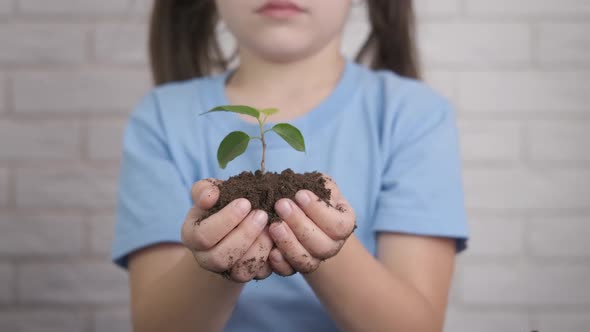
pixel 279 9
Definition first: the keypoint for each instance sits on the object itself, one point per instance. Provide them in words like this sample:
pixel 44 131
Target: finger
pixel 253 260
pixel 264 272
pixel 205 193
pixel 306 231
pixel 207 233
pixel 229 250
pixel 337 221
pixel 279 264
pixel 293 251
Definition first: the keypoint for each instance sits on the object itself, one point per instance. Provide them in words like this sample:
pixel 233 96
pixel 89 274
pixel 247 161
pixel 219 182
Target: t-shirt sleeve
pixel 152 197
pixel 421 191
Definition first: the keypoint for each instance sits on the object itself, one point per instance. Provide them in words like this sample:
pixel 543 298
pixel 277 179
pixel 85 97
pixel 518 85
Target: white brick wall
pixel 4 187
pixel 462 321
pixel 42 320
pixel 41 235
pixel 72 283
pixel 113 319
pixel 118 43
pixel 67 187
pixel 496 237
pixel 74 7
pixel 546 8
pixel 517 71
pixel 526 284
pixel 42 43
pixel 7 283
pixel 101 233
pixel 76 91
pixel 105 138
pixel 3 88
pixel 531 91
pixel 559 237
pixel 5 7
pixel 559 141
pixel 563 43
pixel 565 322
pixel 41 140
pixel 475 44
pixel 482 141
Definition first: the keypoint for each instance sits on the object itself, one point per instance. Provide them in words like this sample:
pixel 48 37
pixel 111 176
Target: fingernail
pixel 279 231
pixel 204 194
pixel 302 197
pixel 284 208
pixel 243 205
pixel 260 218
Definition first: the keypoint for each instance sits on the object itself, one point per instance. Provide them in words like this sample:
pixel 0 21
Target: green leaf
pixel 236 109
pixel 233 145
pixel 290 134
pixel 269 111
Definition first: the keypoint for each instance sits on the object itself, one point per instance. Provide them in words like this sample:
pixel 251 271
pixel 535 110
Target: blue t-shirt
pixel 390 143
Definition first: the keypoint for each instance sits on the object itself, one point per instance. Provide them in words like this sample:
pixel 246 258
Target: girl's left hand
pixel 311 232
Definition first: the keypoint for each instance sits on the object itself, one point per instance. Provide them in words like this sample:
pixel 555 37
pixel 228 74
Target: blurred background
pixel 518 72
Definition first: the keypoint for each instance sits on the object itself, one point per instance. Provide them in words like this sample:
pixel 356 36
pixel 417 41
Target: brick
pixel 563 43
pixel 355 34
pixel 69 283
pixel 461 321
pixel 227 43
pixel 526 284
pixel 495 236
pixel 66 187
pixel 74 7
pixel 527 189
pixel 559 141
pixel 105 139
pixel 3 102
pixel 3 187
pixel 489 141
pixel 142 7
pixel 562 322
pixel 6 7
pixel 7 283
pixel 528 7
pixel 39 140
pixel 437 7
pixel 117 319
pixel 474 44
pixel 46 320
pixel 563 237
pixel 42 43
pixel 444 82
pixel 88 90
pixel 101 233
pixel 121 43
pixel 524 91
pixel 40 234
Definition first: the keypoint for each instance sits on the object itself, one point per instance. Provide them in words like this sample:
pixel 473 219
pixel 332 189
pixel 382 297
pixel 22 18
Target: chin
pixel 285 50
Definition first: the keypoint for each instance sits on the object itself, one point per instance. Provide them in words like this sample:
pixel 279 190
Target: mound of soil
pixel 263 190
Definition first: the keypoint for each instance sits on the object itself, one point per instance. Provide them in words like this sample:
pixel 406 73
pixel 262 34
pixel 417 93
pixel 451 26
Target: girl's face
pixel 284 30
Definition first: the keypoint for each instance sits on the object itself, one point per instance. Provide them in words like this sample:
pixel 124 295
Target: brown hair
pixel 183 43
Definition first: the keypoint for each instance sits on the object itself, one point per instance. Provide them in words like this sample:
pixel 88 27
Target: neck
pixel 257 75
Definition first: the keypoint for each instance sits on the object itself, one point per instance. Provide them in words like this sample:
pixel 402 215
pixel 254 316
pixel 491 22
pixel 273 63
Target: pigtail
pixel 391 44
pixel 182 40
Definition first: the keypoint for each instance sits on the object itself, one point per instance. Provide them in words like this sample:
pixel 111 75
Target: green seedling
pixel 236 142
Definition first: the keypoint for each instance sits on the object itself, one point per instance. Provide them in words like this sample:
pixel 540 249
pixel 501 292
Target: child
pixel 388 142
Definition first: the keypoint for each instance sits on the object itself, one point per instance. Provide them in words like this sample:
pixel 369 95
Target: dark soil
pixel 263 190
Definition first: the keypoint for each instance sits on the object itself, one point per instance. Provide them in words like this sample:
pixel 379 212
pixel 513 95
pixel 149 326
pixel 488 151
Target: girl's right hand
pixel 233 242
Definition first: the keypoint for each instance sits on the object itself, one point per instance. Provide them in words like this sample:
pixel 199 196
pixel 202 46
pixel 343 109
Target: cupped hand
pixel 312 231
pixel 233 242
